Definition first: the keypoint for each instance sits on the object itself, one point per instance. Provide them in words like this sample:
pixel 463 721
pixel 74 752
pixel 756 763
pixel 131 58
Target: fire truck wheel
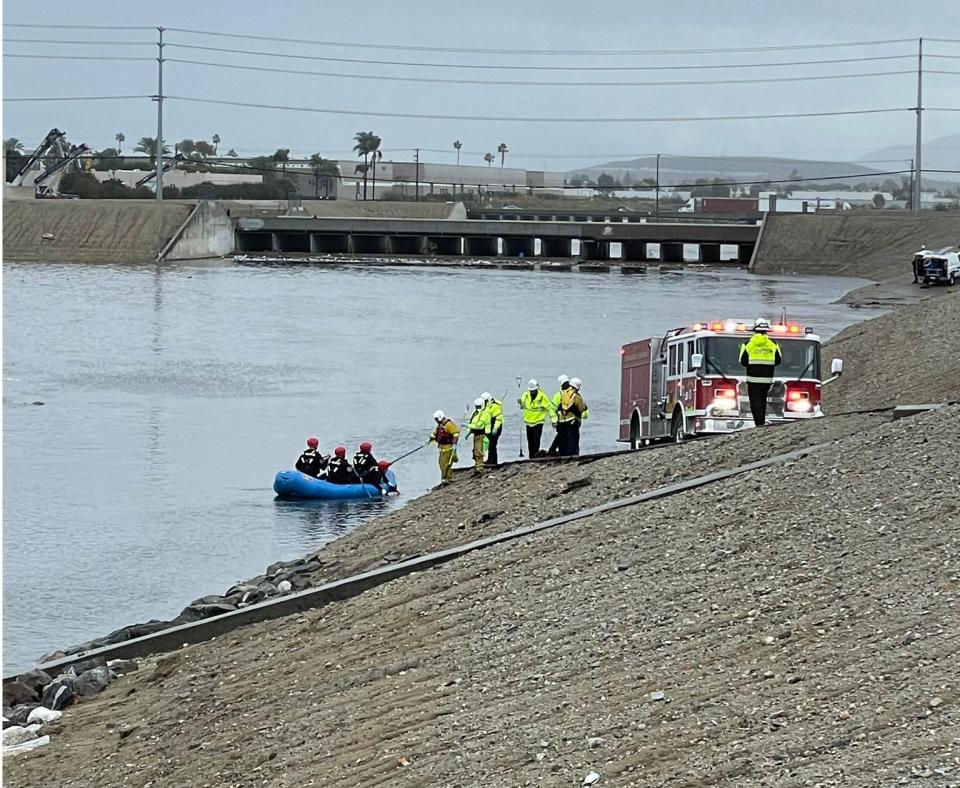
pixel 676 428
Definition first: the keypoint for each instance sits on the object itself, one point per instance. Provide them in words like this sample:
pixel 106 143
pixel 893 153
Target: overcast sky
pixel 546 24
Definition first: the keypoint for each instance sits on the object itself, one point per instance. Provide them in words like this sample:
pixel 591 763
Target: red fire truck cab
pixel 690 381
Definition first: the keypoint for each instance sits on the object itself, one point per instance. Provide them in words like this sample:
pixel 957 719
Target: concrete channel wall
pixel 206 232
pixel 89 231
pixel 876 244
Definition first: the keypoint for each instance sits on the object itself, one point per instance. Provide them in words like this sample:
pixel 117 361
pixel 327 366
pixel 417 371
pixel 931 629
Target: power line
pixel 521 119
pixel 933 71
pixel 79 27
pixel 566 52
pixel 74 98
pixel 79 57
pixel 500 67
pixel 446 81
pixel 74 41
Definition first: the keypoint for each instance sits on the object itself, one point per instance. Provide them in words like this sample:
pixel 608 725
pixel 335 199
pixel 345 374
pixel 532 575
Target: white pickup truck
pixel 937 265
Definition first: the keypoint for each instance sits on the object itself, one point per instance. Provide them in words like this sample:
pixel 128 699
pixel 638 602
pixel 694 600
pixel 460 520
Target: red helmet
pixel 382 466
pixel 313 443
pixel 366 446
pixel 340 451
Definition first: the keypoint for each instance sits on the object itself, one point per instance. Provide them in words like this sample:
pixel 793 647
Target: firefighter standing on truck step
pixel 760 355
pixel 445 435
pixel 536 406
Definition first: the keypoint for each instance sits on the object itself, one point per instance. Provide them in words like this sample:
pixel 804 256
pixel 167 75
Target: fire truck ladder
pixel 48 182
pixel 53 137
pixel 166 168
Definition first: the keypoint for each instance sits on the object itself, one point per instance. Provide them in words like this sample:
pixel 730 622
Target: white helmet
pixel 478 402
pixel 486 396
pixel 563 379
pixel 576 383
pixel 438 415
pixel 533 385
pixel 761 324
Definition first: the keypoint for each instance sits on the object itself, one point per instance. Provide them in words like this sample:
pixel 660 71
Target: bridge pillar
pixel 709 253
pixel 634 250
pixel 594 250
pixel 480 245
pixel 744 253
pixel 275 242
pixel 671 252
pixel 518 247
pixel 556 247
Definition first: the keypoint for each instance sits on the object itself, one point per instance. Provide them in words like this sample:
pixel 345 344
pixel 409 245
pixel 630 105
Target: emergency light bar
pixel 734 326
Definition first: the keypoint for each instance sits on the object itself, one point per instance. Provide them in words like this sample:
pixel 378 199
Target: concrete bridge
pixel 626 241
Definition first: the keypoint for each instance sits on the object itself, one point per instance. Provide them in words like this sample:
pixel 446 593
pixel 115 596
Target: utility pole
pixel 159 149
pixel 911 183
pixel 918 166
pixel 416 160
pixel 657 210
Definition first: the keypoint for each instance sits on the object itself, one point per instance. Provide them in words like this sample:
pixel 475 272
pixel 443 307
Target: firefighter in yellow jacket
pixel 445 435
pixel 760 355
pixel 571 412
pixel 479 426
pixel 536 406
pixel 494 410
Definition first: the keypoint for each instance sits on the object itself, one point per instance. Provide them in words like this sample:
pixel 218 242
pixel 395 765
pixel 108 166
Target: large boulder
pixel 20 715
pixel 59 694
pixel 93 681
pixel 36 679
pixel 17 692
pixel 17 734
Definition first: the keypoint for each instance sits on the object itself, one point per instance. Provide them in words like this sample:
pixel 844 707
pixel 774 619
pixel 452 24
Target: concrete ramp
pixel 206 232
pixel 875 245
pixel 89 231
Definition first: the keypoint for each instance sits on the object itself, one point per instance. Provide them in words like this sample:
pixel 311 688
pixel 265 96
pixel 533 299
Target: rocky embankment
pixel 795 625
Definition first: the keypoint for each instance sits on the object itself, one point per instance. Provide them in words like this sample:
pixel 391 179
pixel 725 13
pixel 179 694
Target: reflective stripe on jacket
pixel 535 407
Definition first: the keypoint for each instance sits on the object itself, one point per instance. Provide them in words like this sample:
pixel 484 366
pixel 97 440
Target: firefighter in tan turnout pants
pixel 445 435
pixel 760 355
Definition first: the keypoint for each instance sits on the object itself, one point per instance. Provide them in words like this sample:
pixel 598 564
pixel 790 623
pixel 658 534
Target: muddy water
pixel 172 395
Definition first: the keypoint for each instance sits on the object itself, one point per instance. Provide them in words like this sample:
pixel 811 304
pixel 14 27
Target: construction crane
pixel 54 139
pixel 166 168
pixel 47 183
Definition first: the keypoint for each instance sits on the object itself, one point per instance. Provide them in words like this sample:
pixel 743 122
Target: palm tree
pixel 323 168
pixel 367 143
pixel 375 155
pixel 488 158
pixel 119 137
pixel 215 139
pixel 232 153
pixel 148 145
pixel 283 156
pixel 502 150
pixel 456 146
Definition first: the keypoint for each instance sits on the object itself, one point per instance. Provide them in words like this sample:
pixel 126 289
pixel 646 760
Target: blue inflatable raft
pixel 293 484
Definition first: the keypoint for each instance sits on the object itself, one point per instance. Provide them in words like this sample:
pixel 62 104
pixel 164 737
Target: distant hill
pixel 687 169
pixel 942 153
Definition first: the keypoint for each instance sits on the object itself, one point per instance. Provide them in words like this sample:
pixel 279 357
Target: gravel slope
pixel 801 621
pixel 811 641
pixel 906 357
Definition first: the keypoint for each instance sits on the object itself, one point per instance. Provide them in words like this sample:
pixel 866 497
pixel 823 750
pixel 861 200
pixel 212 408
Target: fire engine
pixel 689 381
